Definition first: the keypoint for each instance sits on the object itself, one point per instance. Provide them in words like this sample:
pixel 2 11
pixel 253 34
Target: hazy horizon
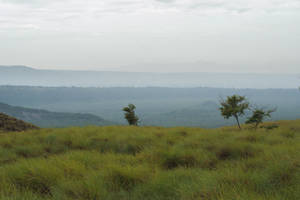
pixel 153 35
pixel 20 75
pixel 150 72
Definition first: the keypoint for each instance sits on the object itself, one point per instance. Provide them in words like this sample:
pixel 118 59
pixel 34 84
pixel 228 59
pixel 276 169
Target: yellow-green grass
pixel 146 163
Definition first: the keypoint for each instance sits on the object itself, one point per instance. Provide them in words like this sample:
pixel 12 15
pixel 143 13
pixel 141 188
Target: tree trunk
pixel 238 122
pixel 256 125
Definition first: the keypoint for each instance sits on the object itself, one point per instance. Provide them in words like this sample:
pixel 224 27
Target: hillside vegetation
pixel 8 123
pixel 152 163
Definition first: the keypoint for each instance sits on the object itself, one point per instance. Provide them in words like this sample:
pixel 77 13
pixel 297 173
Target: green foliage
pixel 234 106
pixel 151 163
pixel 258 115
pixel 130 115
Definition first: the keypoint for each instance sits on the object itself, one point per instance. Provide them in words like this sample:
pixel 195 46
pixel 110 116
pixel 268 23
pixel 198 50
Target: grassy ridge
pixel 8 123
pixel 151 163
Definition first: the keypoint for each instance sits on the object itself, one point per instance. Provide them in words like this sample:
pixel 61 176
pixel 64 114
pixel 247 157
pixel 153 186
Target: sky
pixel 261 36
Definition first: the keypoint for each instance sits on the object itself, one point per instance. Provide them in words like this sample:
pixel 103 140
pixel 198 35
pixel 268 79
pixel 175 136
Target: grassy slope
pixel 151 163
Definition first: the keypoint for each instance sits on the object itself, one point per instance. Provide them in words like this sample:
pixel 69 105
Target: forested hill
pixel 44 118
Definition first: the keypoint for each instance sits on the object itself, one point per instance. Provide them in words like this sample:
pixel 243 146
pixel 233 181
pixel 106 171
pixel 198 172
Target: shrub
pixel 288 134
pixel 258 116
pixel 235 151
pixel 7 156
pixel 38 178
pixel 27 151
pixel 126 178
pixel 270 126
pixel 89 188
pixel 172 161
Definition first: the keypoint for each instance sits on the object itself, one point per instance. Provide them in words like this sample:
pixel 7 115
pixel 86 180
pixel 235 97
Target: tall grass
pixel 151 163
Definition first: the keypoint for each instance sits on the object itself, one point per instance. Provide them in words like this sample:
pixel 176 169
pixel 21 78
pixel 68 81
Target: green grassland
pixel 146 163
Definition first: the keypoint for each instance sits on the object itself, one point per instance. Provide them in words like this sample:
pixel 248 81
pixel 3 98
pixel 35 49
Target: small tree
pixel 130 115
pixel 258 116
pixel 234 106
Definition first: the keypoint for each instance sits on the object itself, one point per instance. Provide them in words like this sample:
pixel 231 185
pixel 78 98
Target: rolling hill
pixel 44 118
pixel 8 123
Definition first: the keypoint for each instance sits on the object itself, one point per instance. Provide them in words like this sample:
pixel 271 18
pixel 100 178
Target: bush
pixel 126 178
pixel 38 178
pixel 235 151
pixel 89 188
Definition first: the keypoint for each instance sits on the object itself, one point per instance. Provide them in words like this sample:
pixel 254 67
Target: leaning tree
pixel 234 106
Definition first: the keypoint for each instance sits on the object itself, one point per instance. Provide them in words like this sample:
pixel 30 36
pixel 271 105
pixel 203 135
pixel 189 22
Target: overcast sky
pixel 152 35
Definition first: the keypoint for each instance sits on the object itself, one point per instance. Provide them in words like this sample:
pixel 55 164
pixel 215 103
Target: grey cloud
pixel 166 1
pixel 114 32
pixel 136 5
pixel 208 4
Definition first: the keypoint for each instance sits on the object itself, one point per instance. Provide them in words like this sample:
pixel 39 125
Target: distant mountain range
pixel 201 115
pixel 44 118
pixel 22 75
pixel 155 105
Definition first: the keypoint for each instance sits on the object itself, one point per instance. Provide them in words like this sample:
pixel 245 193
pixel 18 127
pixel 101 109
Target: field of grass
pixel 151 163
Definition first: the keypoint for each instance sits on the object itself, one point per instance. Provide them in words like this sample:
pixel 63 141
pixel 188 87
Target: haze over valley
pixel 22 75
pixel 155 105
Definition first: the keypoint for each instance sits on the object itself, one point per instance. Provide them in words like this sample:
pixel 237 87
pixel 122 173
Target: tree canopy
pixel 130 115
pixel 258 115
pixel 234 106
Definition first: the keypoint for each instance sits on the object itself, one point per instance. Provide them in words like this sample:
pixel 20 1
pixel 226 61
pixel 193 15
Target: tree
pixel 258 116
pixel 234 106
pixel 130 115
